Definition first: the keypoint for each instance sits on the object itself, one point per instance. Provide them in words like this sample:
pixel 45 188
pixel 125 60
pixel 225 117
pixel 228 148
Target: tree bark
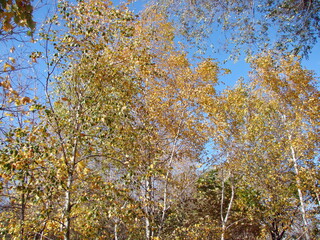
pixel 23 208
pixel 165 192
pixel 224 219
pixel 148 225
pixel 116 231
pixel 68 208
pixel 302 205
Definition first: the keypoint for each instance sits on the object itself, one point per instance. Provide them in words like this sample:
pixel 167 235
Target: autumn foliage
pixel 131 138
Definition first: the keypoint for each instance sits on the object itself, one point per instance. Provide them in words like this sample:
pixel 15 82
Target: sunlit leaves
pixel 266 133
pixel 113 150
pixel 16 13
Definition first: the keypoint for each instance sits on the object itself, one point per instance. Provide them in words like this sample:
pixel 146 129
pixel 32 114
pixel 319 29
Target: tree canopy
pixel 252 26
pixel 16 13
pixel 120 133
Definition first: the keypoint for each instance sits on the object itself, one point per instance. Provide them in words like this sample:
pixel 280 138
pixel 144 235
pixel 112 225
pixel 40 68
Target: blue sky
pixel 238 69
pixel 241 68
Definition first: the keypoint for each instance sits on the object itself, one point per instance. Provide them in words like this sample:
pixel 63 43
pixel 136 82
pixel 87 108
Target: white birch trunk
pixel 224 218
pixel 302 205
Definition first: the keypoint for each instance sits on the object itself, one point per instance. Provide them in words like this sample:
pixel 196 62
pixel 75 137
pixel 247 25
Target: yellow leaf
pixel 7 66
pixel 5 84
pixel 25 100
pixel 13 60
pixel 9 114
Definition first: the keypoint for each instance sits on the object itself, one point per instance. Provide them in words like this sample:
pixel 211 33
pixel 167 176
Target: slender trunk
pixel 148 209
pixel 221 211
pixel 223 230
pixel 71 168
pixel 165 192
pixel 68 208
pixel 318 199
pixel 224 218
pixel 148 230
pixel 303 209
pixel 116 231
pixel 23 208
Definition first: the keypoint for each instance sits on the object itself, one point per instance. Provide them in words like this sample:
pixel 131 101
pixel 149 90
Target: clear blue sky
pixel 238 69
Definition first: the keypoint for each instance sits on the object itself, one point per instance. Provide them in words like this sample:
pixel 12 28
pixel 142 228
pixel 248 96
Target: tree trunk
pixel 303 209
pixel 165 192
pixel 68 204
pixel 116 231
pixel 224 219
pixel 148 213
pixel 22 218
pixel 67 224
